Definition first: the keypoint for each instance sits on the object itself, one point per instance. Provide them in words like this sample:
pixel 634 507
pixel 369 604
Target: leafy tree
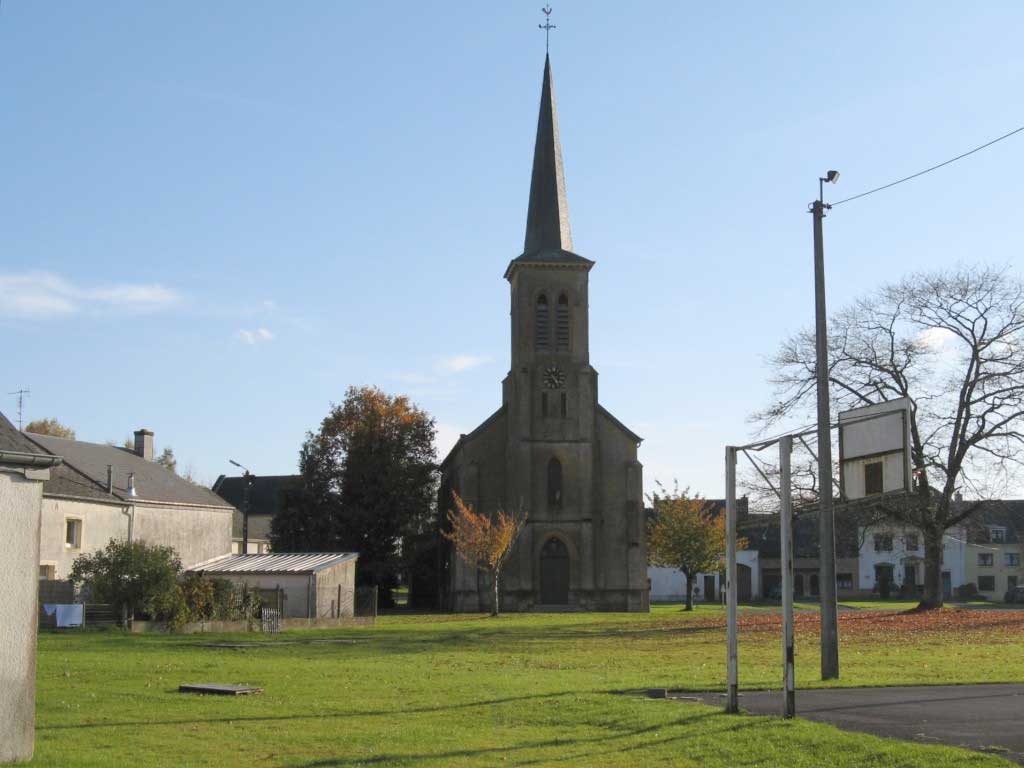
pixel 136 576
pixel 368 481
pixel 484 542
pixel 50 427
pixel 167 460
pixel 952 343
pixel 687 534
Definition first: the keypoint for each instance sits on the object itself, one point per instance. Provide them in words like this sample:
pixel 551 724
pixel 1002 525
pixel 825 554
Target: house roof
pixel 85 475
pixel 266 499
pixel 18 450
pixel 278 562
pixel 1002 513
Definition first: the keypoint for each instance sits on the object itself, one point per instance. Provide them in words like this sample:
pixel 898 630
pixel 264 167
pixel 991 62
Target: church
pixel 551 448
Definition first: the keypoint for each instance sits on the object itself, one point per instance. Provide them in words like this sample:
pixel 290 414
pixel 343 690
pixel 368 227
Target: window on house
pixel 554 484
pixel 542 325
pixel 997 534
pixel 987 583
pixel 565 405
pixel 873 478
pixel 73 533
pixel 1012 558
pixel 985 559
pixel 562 324
pixel 1011 582
pixel 844 580
pixel 910 542
pixel 883 542
pixel 47 572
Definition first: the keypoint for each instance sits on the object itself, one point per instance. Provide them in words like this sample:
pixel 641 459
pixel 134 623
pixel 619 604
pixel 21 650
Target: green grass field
pixel 557 689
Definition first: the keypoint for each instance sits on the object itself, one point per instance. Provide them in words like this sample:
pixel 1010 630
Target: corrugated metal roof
pixel 282 562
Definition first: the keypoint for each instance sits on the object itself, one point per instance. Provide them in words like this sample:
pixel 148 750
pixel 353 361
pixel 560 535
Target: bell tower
pixel 551 388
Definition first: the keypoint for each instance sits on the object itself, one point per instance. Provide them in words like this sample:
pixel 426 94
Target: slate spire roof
pixel 547 219
pixel 548 239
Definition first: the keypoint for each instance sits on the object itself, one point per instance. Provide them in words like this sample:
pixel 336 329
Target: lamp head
pixel 832 176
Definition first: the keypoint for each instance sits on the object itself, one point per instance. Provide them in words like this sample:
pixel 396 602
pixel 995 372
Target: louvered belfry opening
pixel 562 323
pixel 542 326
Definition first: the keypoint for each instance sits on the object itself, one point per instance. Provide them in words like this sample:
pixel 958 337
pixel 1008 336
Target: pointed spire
pixel 547 220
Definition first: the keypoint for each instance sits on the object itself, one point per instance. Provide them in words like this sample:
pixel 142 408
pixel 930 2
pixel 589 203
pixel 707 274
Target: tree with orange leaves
pixel 687 533
pixel 484 542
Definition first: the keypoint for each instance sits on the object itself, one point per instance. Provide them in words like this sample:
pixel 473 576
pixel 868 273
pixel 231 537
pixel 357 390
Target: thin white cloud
pixel 936 338
pixel 47 295
pixel 257 336
pixel 460 363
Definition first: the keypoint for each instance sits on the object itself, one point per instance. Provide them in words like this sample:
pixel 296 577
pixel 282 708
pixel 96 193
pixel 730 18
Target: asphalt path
pixel 985 718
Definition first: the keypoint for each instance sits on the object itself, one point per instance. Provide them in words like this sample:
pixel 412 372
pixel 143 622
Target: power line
pixel 929 170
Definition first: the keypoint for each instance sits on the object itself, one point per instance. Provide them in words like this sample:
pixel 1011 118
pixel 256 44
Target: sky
pixel 214 218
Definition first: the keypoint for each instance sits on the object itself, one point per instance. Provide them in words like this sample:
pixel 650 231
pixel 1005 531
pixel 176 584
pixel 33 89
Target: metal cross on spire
pixel 547 26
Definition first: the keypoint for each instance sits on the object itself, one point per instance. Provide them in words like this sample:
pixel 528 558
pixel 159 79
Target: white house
pixel 894 553
pixel 103 492
pixel 668 585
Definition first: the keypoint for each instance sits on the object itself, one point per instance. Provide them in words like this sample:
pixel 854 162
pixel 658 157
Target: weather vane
pixel 547 26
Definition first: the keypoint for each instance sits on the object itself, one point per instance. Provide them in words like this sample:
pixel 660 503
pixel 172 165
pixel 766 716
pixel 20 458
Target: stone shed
pixel 317 585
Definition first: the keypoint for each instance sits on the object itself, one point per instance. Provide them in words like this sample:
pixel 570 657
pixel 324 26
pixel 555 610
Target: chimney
pixel 110 478
pixel 131 484
pixel 144 444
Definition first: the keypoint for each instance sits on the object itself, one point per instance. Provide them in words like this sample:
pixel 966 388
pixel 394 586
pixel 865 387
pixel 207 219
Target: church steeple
pixel 547 219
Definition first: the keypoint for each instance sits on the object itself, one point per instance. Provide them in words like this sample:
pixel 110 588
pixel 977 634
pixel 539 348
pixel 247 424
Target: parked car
pixel 1015 595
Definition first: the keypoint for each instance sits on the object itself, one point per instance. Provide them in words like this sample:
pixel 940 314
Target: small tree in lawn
pixel 686 534
pixel 484 542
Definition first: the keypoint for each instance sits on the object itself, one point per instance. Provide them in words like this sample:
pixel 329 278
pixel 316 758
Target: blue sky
pixel 216 217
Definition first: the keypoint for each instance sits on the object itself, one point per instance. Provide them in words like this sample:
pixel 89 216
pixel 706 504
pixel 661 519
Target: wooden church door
pixel 554 573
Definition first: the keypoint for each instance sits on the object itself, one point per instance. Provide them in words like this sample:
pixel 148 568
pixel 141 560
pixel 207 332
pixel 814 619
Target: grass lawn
pixel 556 689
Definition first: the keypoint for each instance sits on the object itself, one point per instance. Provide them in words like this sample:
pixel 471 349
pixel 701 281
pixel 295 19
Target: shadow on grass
pixel 317 716
pixel 566 745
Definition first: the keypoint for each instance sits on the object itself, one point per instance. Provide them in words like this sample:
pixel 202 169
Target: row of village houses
pixel 92 493
pixel 873 560
pixel 102 491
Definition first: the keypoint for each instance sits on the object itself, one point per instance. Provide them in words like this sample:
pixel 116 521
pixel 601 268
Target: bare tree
pixel 953 344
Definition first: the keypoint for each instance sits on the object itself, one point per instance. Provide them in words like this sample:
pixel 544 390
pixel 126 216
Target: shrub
pixel 967 592
pixel 138 577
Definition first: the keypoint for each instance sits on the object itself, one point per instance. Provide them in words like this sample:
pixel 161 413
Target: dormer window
pixel 996 534
pixel 542 325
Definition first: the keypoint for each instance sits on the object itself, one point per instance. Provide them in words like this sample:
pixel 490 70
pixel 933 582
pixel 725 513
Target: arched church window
pixel 562 324
pixel 542 325
pixel 554 484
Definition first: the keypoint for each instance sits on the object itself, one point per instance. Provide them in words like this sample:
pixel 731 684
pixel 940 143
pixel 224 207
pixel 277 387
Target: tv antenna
pixel 22 394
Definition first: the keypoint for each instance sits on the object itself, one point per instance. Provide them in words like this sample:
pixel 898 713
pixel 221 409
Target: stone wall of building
pixel 20 500
pixel 197 534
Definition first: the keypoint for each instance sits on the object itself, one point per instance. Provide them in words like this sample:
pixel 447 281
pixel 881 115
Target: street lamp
pixel 826 515
pixel 249 478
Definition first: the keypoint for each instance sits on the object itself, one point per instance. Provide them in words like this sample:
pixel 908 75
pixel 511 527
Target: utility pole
pixel 732 703
pixel 21 393
pixel 248 478
pixel 826 514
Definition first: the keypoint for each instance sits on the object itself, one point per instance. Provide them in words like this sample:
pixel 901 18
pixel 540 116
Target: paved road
pixel 985 718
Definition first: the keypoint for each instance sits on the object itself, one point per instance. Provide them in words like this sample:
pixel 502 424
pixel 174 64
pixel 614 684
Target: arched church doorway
pixel 554 573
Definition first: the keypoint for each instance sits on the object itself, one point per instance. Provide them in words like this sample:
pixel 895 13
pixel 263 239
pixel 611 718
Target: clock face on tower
pixel 554 378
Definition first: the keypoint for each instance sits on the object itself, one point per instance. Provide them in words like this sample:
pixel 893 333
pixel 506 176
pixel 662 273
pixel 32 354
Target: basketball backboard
pixel 874 450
